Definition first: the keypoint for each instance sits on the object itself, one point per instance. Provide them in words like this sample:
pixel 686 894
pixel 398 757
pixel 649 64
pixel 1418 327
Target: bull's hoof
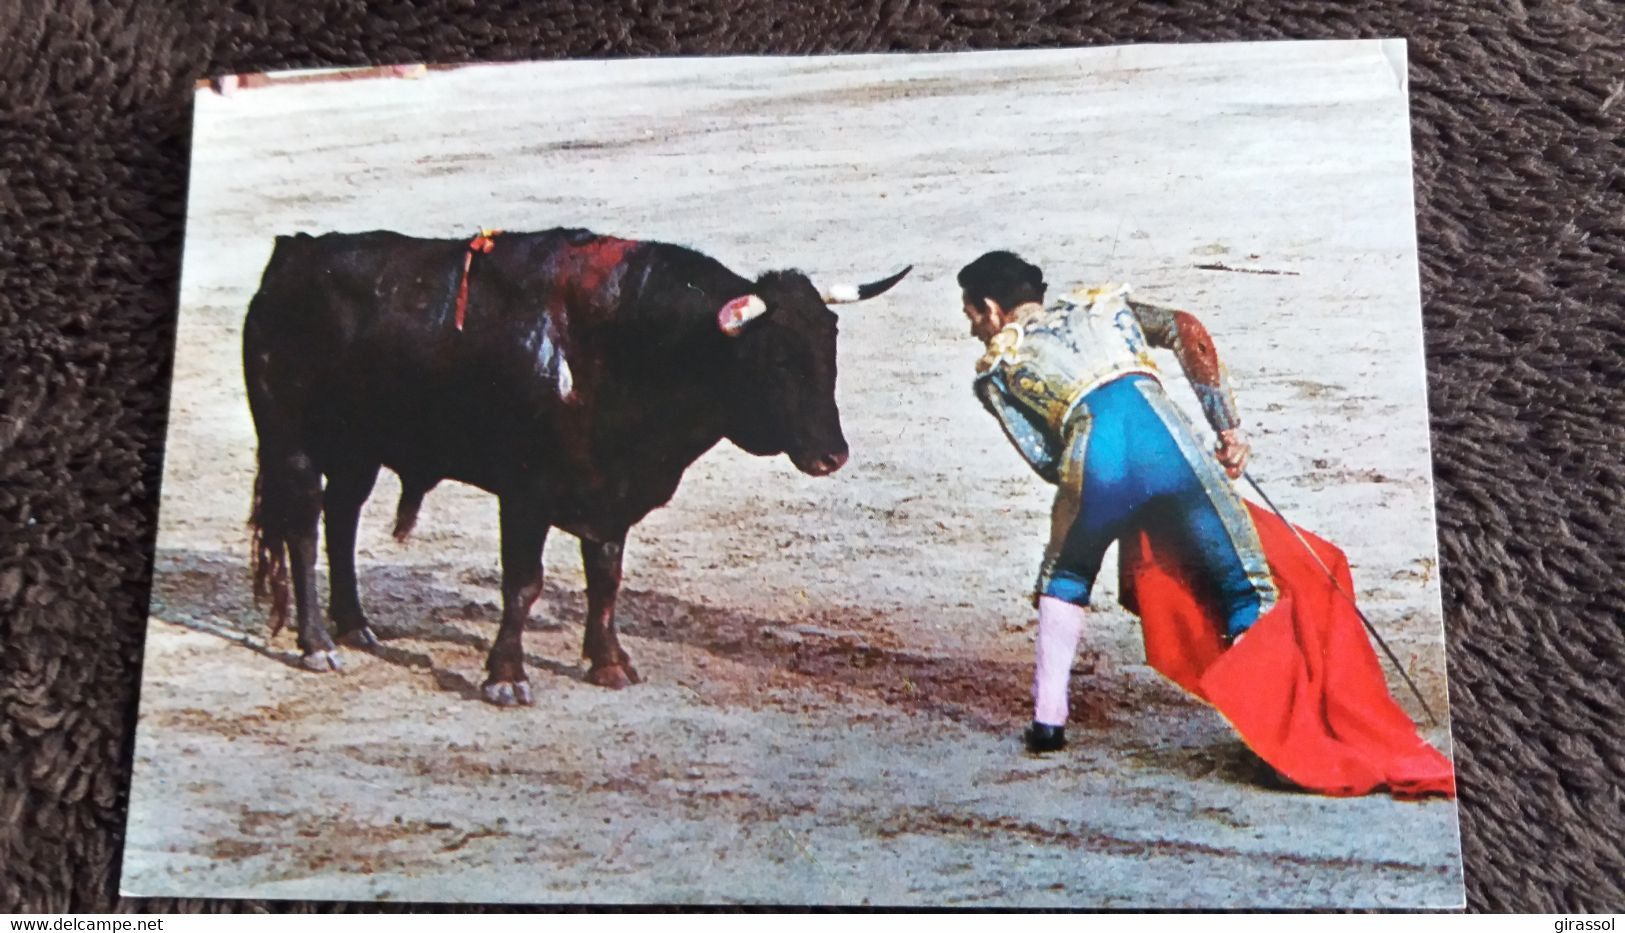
pixel 322 661
pixel 362 638
pixel 507 693
pixel 614 676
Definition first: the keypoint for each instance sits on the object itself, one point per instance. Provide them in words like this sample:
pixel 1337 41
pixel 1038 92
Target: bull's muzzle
pixel 827 464
pixel 821 464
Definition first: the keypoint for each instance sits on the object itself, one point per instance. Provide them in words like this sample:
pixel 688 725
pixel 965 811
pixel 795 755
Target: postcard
pixel 992 479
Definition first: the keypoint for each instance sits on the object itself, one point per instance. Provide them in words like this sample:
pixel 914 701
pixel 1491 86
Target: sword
pixel 1346 595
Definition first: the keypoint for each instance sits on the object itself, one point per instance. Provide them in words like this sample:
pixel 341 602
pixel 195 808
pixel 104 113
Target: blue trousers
pixel 1131 461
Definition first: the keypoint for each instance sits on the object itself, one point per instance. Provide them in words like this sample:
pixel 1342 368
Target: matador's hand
pixel 1233 451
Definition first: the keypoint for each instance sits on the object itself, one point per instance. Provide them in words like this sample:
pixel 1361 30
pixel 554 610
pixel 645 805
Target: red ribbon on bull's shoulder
pixel 482 242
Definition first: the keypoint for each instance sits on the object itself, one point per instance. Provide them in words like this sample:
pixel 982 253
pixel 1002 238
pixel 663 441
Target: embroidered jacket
pixel 1039 367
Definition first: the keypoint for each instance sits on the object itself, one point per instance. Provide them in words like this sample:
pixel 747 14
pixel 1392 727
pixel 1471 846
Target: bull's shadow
pixel 210 592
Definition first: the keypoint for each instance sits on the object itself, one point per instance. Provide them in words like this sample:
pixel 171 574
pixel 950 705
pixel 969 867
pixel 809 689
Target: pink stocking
pixel 1060 625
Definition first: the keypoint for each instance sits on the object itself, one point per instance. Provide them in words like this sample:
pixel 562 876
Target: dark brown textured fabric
pixel 1518 114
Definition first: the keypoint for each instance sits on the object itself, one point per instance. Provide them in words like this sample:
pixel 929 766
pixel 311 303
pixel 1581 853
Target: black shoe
pixel 1041 738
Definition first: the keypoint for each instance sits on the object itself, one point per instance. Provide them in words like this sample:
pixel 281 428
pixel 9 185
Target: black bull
pixel 576 379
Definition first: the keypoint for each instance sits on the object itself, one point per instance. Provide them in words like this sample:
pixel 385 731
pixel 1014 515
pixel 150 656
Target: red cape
pixel 1304 688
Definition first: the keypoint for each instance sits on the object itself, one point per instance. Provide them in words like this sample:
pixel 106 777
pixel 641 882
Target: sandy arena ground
pixel 836 669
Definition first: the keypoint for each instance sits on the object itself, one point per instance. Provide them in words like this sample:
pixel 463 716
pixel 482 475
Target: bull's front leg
pixel 524 532
pixel 611 667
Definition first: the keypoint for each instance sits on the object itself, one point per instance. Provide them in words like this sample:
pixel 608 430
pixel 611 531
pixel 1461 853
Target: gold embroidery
pixel 1052 356
pixel 1028 384
pixel 1003 345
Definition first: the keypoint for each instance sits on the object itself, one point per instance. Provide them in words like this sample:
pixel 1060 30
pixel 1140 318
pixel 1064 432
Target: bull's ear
pixel 737 313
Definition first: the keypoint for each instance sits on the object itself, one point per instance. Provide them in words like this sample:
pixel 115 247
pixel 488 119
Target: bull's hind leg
pixel 611 666
pixel 347 490
pixel 524 531
pixel 291 488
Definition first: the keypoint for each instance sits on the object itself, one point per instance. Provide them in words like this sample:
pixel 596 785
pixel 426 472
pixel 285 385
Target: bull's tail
pixel 269 559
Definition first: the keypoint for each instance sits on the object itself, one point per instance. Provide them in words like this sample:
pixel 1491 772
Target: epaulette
pixel 1004 343
pixel 1100 297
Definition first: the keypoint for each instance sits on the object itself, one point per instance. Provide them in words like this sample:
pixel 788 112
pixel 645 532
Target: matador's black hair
pixel 1004 277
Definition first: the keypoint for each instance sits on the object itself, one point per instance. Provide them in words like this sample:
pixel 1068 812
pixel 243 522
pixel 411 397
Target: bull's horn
pixel 844 294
